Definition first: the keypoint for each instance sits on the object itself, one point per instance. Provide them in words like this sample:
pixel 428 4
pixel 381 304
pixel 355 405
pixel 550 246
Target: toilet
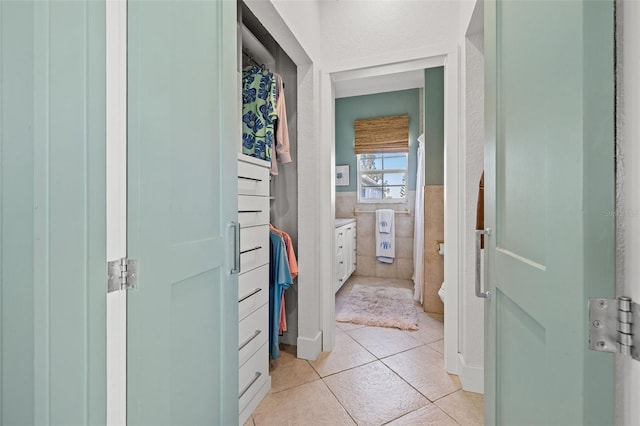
pixel 441 292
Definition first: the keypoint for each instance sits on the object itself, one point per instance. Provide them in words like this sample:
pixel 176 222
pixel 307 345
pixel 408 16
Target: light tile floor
pixel 374 376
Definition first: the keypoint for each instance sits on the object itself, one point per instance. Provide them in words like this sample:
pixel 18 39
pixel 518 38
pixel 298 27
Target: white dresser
pixel 253 283
pixel 345 244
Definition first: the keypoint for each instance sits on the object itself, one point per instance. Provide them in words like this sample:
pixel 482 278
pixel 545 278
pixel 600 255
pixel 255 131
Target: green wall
pixel 434 125
pixel 397 103
pixel 370 106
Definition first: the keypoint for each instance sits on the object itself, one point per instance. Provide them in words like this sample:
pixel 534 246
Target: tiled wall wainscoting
pixel 367 265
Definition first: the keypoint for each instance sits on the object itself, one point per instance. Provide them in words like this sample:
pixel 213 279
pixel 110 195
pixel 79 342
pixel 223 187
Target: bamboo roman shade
pixel 382 134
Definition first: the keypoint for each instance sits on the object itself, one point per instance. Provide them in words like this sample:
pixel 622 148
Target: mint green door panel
pixel 52 213
pixel 182 341
pixel 549 183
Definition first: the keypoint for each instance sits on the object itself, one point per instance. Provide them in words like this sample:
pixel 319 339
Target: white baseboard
pixel 310 348
pixel 472 378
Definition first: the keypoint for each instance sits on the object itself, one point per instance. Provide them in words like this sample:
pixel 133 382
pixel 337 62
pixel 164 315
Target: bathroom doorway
pixel 390 71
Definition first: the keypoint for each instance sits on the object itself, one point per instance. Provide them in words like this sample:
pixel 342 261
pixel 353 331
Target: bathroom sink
pixel 343 221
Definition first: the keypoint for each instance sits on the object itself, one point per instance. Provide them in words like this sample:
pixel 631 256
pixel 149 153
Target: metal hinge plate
pixel 611 326
pixel 122 274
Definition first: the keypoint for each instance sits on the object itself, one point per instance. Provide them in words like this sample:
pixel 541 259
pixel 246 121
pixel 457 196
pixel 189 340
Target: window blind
pixel 382 134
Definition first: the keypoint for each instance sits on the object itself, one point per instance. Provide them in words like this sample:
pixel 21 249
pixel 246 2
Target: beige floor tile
pixel 311 403
pixel 431 415
pixel 379 281
pixel 249 422
pixel 346 326
pixel 288 371
pixel 465 407
pixel 347 353
pixel 373 395
pixel 423 368
pixel 430 328
pixel 437 346
pixel 382 341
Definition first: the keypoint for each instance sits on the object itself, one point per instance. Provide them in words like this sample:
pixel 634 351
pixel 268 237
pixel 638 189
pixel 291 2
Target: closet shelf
pixel 255 48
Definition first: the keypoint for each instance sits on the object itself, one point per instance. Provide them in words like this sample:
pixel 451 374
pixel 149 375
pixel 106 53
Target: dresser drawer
pixel 252 179
pixel 253 290
pixel 254 247
pixel 253 210
pixel 340 240
pixel 253 375
pixel 253 333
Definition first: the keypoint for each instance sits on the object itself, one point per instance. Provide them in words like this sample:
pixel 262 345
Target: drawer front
pixel 254 247
pixel 253 210
pixel 253 375
pixel 253 333
pixel 252 179
pixel 340 240
pixel 341 265
pixel 253 290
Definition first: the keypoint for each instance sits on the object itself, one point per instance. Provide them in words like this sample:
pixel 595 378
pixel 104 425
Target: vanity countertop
pixel 343 221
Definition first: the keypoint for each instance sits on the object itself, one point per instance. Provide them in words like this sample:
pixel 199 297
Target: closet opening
pixel 267 205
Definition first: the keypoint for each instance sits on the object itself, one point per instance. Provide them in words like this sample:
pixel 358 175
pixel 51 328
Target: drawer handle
pixel 249 211
pixel 342 262
pixel 250 178
pixel 246 388
pixel 339 246
pixel 257 290
pixel 246 342
pixel 252 249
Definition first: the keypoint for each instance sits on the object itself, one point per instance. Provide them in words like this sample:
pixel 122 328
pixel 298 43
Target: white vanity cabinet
pixel 253 284
pixel 345 245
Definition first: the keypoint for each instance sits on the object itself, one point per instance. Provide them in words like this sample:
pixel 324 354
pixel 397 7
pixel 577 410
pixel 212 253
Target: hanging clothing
pixel 258 112
pixel 291 255
pixel 279 280
pixel 293 269
pixel 282 154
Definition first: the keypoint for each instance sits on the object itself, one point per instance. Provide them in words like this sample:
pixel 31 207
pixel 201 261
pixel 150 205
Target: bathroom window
pixel 382 177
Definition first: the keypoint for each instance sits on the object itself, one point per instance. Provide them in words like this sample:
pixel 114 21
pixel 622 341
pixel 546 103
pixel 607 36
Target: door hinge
pixel 122 274
pixel 611 326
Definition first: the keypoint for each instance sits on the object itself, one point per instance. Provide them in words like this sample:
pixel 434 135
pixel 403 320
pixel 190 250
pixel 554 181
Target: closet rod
pixel 252 60
pixel 358 211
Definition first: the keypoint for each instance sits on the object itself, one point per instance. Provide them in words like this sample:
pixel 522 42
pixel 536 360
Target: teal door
pixel 52 213
pixel 549 185
pixel 182 335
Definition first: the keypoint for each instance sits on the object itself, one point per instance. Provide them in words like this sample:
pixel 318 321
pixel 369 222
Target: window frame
pixel 360 172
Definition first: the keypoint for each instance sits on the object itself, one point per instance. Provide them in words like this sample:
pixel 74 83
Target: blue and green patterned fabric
pixel 258 112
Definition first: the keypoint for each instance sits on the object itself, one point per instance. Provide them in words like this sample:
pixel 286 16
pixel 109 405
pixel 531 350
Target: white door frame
pixel 627 384
pixel 447 56
pixel 116 109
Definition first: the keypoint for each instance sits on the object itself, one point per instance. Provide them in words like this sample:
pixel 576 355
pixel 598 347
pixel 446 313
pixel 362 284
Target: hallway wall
pixel 354 30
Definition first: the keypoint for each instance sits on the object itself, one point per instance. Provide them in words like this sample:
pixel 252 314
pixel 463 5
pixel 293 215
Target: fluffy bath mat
pixel 379 306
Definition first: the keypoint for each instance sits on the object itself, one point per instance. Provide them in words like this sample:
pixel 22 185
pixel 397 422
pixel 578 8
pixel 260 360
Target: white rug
pixel 379 306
